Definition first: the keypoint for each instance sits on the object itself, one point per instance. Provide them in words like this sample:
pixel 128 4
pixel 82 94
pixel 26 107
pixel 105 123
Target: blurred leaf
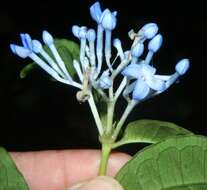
pixel 177 163
pixel 10 177
pixel 68 51
pixel 27 69
pixel 150 131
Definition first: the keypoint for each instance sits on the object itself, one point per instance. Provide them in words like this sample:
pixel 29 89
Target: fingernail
pixel 76 186
pixel 100 183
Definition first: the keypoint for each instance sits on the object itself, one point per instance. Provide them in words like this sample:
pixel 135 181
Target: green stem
pixel 120 88
pixel 110 110
pixel 126 113
pixel 119 68
pixel 110 115
pixel 95 114
pixel 106 149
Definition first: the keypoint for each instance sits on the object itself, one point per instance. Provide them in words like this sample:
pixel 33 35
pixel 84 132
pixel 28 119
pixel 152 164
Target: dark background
pixel 37 114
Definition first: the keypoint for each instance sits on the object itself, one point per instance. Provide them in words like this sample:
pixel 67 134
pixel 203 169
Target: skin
pixel 59 170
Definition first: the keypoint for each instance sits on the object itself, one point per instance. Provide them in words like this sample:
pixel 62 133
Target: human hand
pixel 59 170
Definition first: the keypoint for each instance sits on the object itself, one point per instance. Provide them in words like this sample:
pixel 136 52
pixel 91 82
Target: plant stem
pixel 106 149
pixel 119 68
pixel 120 88
pixel 102 93
pixel 127 111
pixel 95 114
pixel 110 115
pixel 110 110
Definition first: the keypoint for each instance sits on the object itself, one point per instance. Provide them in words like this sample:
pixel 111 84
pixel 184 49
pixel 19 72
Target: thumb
pixel 98 183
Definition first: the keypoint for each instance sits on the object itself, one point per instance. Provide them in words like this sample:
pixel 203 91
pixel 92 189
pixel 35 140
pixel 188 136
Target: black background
pixel 37 114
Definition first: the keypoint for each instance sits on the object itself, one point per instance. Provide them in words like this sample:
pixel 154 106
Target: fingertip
pixel 100 183
pixel 116 162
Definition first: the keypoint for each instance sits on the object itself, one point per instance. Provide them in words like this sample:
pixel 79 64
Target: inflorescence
pixel 139 79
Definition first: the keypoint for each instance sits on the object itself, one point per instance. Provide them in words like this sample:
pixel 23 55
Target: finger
pixel 56 170
pixel 99 183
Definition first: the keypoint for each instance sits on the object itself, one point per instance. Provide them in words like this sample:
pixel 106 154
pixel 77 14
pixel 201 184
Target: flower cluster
pixel 147 83
pixel 139 78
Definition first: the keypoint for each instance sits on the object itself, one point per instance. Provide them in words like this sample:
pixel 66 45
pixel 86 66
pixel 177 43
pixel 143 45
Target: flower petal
pixel 137 50
pixel 75 30
pixel 23 40
pixel 91 35
pixel 129 88
pixel 141 90
pixel 108 20
pixel 147 70
pixel 163 77
pixel 95 11
pixel 20 51
pixel 149 30
pixel 28 41
pixel 132 70
pixel 13 49
pixel 36 46
pixel 82 32
pixel 155 44
pixel 104 81
pixel 155 83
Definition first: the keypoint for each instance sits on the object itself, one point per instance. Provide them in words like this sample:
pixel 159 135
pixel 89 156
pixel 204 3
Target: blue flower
pixel 26 41
pixel 106 18
pixel 182 66
pixel 105 81
pixel 25 50
pixel 91 35
pixel 146 80
pixel 20 51
pixel 137 50
pixel 155 44
pixel 96 12
pixel 47 38
pixel 149 30
pixel 79 32
pixel 33 48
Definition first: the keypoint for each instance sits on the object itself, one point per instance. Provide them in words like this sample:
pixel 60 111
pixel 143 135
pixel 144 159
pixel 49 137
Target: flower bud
pixel 95 11
pixel 36 46
pixel 20 51
pixel 108 20
pixel 91 35
pixel 182 66
pixel 137 50
pixel 26 40
pixel 47 38
pixel 12 47
pixel 149 30
pixel 75 31
pixel 155 44
pixel 117 43
pixel 105 81
pixel 82 32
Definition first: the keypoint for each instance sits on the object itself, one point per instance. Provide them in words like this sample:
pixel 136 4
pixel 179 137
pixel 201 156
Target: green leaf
pixel 10 177
pixel 27 69
pixel 68 51
pixel 190 187
pixel 150 131
pixel 177 163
